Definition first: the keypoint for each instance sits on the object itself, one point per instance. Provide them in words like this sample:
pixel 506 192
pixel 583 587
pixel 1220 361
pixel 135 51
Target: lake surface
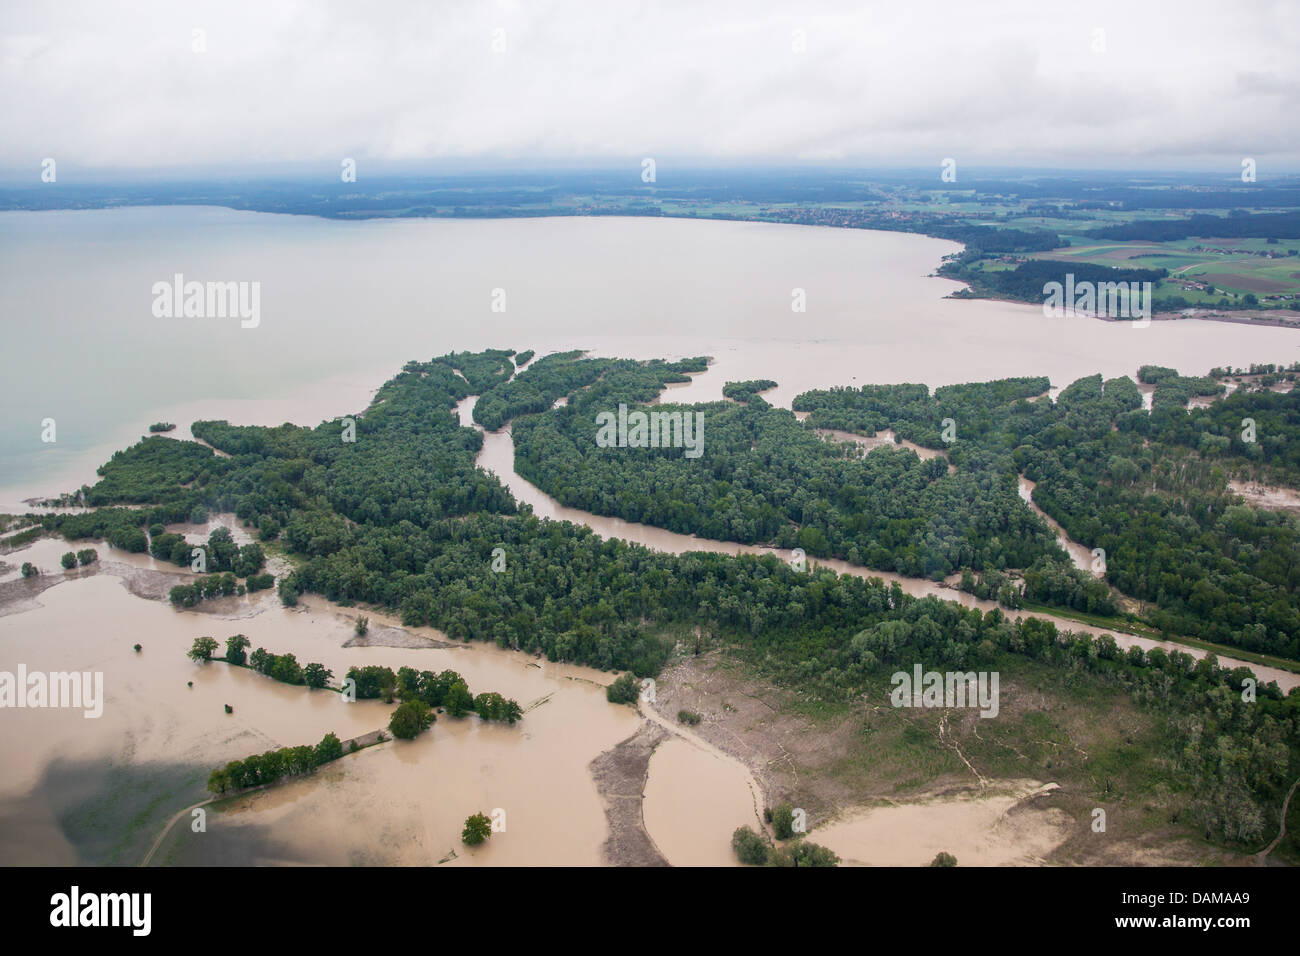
pixel 344 304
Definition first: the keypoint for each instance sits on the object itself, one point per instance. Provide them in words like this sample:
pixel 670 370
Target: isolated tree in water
pixel 202 649
pixel 235 649
pixel 477 829
pixel 410 718
pixel 316 675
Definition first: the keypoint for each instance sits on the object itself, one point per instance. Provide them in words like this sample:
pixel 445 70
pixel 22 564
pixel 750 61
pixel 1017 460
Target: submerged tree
pixel 750 847
pixel 236 649
pixel 477 829
pixel 410 717
pixel 202 649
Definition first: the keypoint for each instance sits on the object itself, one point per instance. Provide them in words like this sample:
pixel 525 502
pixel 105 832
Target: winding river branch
pixel 498 457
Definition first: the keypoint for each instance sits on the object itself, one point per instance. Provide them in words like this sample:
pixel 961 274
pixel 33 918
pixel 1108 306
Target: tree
pixel 328 749
pixel 373 681
pixel 219 780
pixel 410 717
pixel 268 529
pixel 477 829
pixel 285 669
pixel 362 625
pixel 69 561
pixel 202 649
pixel 249 560
pixel 29 570
pixel 302 759
pixel 944 859
pixel 222 550
pixel 624 689
pixel 260 660
pixel 750 847
pixel 459 702
pixel 803 853
pixel 316 676
pixel 87 556
pixel 511 712
pixel 783 821
pixel 492 706
pixel 236 649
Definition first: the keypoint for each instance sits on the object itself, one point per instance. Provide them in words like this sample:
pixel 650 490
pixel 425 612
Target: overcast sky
pixel 107 84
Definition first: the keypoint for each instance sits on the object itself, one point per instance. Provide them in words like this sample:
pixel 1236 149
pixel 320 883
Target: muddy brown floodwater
pixel 398 802
pixel 1079 554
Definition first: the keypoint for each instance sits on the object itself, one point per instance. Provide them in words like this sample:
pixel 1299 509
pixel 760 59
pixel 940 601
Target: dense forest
pixel 1025 282
pixel 765 478
pixel 1276 225
pixel 1149 489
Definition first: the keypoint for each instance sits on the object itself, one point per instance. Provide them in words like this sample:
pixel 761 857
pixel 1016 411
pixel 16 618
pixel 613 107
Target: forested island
pixel 401 518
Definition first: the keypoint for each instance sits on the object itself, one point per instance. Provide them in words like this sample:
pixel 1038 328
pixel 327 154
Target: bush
pixel 362 625
pixel 750 847
pixel 29 570
pixel 944 859
pixel 688 717
pixel 69 561
pixel 87 556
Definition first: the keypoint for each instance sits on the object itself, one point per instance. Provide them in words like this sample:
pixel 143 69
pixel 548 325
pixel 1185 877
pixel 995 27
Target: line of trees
pixel 274 765
pixel 448 690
